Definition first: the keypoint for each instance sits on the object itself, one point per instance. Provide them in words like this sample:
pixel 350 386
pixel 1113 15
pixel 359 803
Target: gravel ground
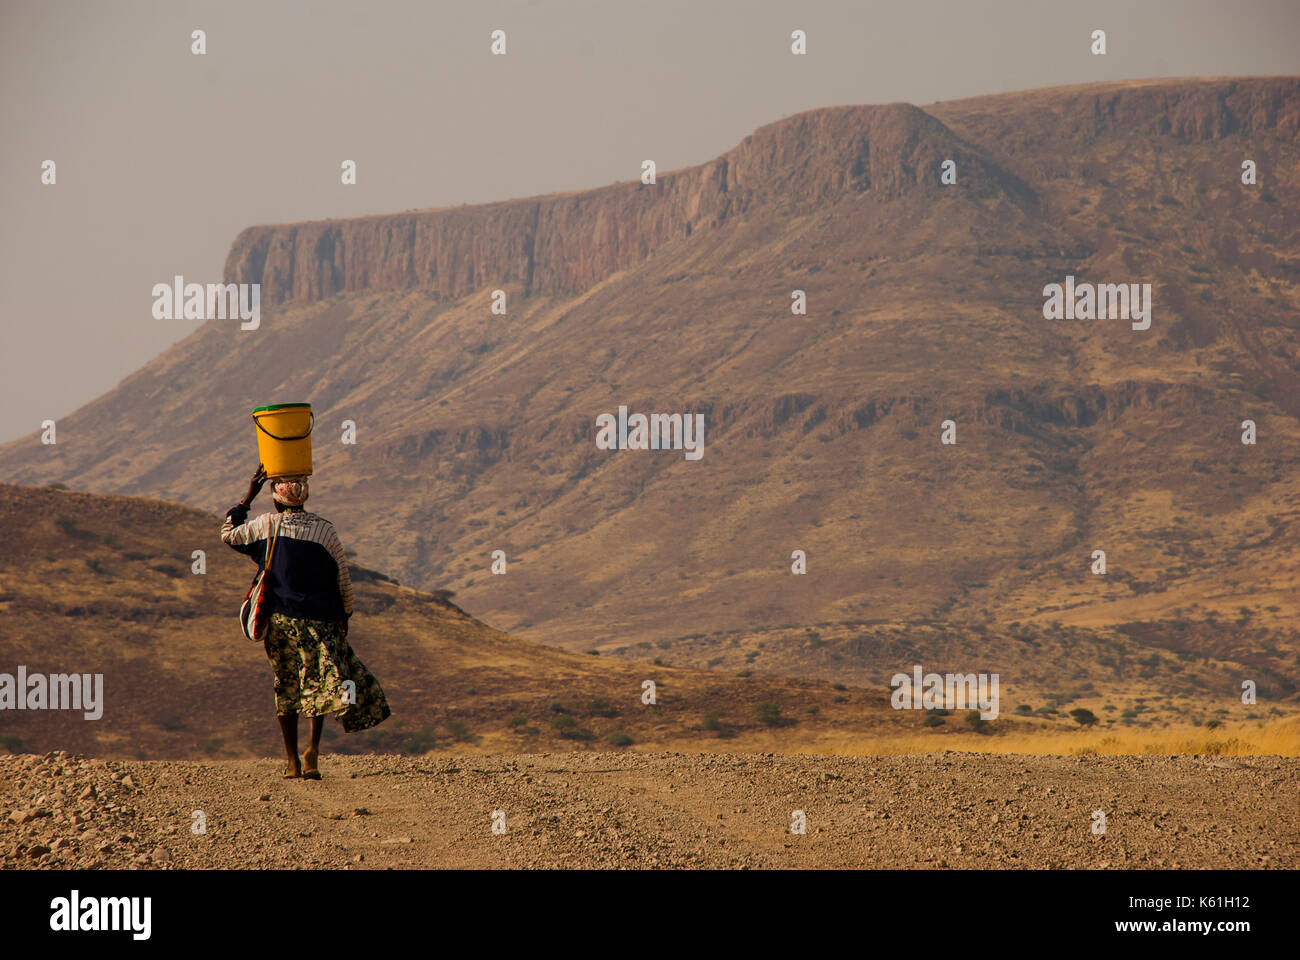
pixel 579 810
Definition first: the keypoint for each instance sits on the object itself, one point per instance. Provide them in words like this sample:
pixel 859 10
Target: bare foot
pixel 293 770
pixel 309 758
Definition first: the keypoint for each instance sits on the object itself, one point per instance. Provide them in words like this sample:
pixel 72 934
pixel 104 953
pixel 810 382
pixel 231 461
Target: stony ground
pixel 652 810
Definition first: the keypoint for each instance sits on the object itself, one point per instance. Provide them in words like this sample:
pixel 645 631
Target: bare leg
pixel 289 732
pixel 312 753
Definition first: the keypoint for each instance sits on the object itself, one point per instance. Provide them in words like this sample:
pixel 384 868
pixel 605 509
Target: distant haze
pixel 163 156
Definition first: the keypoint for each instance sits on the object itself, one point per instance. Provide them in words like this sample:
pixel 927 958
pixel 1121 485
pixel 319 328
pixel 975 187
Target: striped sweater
pixel 309 574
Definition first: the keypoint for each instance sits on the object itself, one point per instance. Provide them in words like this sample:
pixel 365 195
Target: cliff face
pixel 1196 111
pixel 564 244
pixel 1058 129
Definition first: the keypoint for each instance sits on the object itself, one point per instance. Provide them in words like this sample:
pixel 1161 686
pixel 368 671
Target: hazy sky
pixel 163 156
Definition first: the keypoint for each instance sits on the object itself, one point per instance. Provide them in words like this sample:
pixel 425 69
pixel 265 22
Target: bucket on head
pixel 284 438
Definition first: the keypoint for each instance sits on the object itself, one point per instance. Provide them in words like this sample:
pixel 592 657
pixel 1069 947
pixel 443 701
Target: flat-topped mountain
pixel 475 432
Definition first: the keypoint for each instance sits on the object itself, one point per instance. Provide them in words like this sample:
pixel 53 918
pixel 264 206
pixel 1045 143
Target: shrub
pixel 516 721
pixel 932 720
pixel 711 721
pixel 421 741
pixel 459 730
pixel 768 712
pixel 601 707
pixel 66 523
pixel 1084 718
pixel 976 722
pixel 620 739
pixel 1024 708
pixel 563 722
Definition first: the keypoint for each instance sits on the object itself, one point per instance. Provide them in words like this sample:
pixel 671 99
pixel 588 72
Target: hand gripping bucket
pixel 284 438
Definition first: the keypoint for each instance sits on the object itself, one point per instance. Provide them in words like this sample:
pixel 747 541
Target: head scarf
pixel 290 491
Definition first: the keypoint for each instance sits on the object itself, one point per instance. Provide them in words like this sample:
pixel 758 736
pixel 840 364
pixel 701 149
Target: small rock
pixel 161 854
pixel 265 796
pixel 128 782
pixel 361 812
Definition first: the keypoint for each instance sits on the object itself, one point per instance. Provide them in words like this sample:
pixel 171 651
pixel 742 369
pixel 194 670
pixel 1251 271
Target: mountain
pixel 476 432
pixel 107 585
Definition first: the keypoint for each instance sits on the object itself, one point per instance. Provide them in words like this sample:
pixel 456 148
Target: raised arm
pixel 236 532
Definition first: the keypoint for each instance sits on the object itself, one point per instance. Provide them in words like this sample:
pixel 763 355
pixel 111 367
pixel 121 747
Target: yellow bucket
pixel 284 438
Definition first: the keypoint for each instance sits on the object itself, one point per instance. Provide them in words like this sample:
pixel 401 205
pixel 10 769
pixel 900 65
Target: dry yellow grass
pixel 1279 737
pixel 1250 738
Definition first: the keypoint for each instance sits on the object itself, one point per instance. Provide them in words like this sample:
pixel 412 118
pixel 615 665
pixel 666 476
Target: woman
pixel 309 598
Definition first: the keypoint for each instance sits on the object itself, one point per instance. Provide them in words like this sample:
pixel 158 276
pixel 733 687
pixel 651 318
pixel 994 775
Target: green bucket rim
pixel 279 406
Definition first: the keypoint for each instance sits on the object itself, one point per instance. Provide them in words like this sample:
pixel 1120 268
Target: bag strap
pixel 275 537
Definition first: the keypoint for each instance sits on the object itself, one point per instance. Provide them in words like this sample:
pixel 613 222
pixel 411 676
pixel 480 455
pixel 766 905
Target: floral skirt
pixel 313 664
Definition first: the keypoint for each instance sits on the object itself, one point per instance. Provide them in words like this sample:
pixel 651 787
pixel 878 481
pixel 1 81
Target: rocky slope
pixel 106 585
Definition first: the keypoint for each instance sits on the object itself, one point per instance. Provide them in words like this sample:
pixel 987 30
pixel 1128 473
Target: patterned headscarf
pixel 290 491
